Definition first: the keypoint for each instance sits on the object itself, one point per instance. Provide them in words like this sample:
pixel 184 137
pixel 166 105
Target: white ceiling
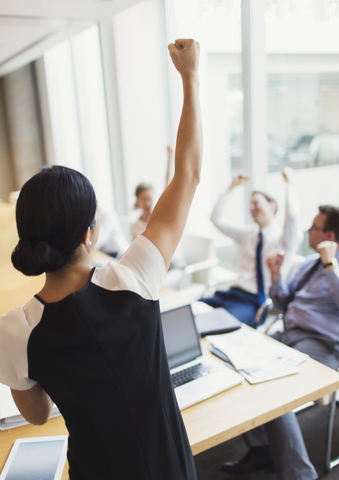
pixel 29 27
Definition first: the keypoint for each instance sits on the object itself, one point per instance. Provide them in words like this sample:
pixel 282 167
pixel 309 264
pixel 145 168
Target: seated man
pixel 250 289
pixel 310 301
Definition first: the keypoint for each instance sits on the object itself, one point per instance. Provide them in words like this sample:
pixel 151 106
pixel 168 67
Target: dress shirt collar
pixel 270 228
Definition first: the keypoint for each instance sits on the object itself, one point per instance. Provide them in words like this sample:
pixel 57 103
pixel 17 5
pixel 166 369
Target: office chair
pixel 202 264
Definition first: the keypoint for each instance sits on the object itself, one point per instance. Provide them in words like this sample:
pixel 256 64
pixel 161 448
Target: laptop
pixel 195 376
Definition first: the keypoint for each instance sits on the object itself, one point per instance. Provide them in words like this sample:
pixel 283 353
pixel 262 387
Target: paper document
pixel 256 356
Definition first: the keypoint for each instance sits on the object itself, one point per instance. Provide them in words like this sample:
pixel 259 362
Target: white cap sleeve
pixel 146 262
pixel 14 335
pixel 141 270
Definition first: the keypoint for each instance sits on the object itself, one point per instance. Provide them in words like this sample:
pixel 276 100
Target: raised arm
pixel 279 290
pixel 218 217
pixel 168 218
pixel 292 234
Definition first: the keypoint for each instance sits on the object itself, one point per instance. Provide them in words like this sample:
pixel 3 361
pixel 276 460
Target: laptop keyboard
pixel 190 373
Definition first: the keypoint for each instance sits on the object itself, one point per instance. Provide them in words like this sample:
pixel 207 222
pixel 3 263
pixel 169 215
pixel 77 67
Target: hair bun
pixel 53 212
pixel 35 259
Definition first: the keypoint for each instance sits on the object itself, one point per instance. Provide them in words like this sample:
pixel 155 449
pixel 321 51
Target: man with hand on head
pixel 310 301
pixel 311 298
pixel 249 291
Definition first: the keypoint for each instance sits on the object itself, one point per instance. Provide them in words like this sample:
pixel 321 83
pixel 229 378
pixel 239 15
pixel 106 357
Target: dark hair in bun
pixel 53 212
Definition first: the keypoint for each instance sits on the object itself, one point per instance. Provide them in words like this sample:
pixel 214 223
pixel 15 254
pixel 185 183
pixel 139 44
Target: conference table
pixel 224 416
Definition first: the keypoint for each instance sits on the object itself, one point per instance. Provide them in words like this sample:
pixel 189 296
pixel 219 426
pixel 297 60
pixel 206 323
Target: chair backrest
pixel 198 248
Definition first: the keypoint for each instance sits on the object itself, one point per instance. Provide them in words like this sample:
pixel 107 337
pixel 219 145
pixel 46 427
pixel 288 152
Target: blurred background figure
pixel 144 201
pixel 256 240
pixel 144 194
pixel 112 239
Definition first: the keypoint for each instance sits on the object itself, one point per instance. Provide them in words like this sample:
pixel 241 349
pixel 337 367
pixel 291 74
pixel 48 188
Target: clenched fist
pixel 274 261
pixel 185 56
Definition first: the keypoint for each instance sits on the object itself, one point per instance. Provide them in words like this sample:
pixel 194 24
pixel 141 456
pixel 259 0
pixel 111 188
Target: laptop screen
pixel 181 337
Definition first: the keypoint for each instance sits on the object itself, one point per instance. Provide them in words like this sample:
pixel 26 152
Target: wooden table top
pixel 246 406
pixel 224 416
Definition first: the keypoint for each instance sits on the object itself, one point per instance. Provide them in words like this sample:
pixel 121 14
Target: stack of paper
pixel 9 414
pixel 258 359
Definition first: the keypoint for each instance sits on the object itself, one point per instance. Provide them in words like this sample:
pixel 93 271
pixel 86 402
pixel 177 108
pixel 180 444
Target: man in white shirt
pixel 251 288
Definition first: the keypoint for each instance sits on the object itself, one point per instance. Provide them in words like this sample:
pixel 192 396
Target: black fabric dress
pixel 100 355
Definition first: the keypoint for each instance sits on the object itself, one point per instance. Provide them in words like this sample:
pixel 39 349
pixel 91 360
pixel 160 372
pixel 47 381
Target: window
pixel 144 104
pixel 77 110
pixel 302 47
pixel 298 76
pixel 216 24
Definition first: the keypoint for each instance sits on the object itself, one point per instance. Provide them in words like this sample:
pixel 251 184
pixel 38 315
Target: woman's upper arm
pixel 169 216
pixel 34 404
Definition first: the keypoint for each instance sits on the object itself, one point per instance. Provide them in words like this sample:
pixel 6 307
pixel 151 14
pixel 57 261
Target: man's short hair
pixel 332 219
pixel 267 197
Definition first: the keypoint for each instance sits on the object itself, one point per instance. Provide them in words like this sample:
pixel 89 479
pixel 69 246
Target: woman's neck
pixel 67 280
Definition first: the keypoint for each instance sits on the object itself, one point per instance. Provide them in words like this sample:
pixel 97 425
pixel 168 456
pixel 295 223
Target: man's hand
pixel 185 56
pixel 274 261
pixel 238 179
pixel 288 174
pixel 327 251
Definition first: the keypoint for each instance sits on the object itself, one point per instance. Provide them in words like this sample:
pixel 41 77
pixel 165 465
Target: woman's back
pixel 95 347
pixel 105 367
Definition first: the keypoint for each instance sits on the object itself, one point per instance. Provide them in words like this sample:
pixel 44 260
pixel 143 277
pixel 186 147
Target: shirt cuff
pixel 275 286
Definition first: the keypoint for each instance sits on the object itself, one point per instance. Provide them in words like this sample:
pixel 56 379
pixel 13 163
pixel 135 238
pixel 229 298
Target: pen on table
pixel 224 357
